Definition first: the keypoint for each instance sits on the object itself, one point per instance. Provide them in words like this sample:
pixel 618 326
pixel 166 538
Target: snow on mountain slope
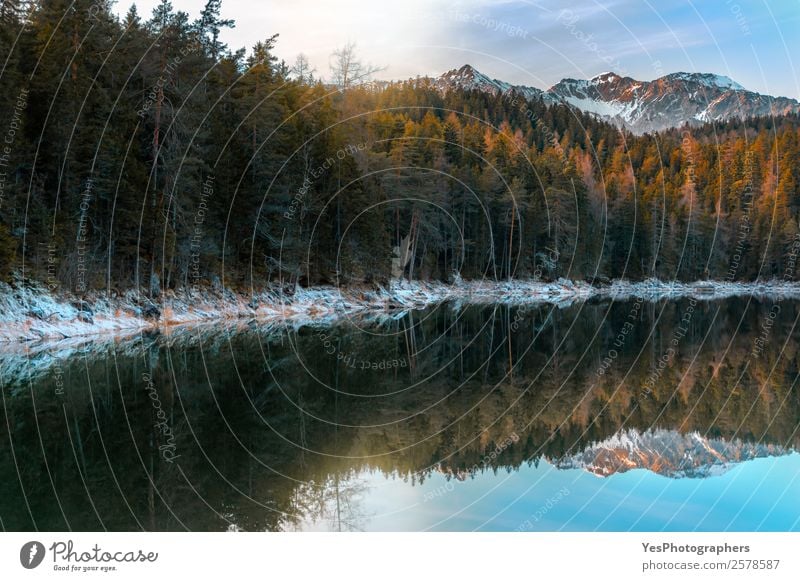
pixel 666 452
pixel 709 80
pixel 469 79
pixel 641 106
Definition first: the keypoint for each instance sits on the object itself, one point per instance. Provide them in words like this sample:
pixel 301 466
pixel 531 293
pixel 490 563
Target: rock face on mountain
pixel 469 79
pixel 641 106
pixel 666 452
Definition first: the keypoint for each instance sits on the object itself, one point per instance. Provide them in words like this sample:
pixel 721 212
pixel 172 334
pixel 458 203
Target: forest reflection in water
pixel 496 417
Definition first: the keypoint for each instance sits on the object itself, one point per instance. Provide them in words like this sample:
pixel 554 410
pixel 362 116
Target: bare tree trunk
pixel 511 242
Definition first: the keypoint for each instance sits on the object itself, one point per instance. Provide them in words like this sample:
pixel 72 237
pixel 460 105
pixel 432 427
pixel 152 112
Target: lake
pixel 676 415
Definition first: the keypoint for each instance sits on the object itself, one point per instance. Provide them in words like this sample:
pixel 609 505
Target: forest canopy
pixel 144 153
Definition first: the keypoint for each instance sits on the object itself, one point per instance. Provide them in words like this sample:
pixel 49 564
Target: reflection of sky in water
pixel 758 495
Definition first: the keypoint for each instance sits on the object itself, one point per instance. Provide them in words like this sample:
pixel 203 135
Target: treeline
pixel 144 153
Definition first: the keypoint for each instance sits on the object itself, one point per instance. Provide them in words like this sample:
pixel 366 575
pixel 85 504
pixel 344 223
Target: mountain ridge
pixel 667 453
pixel 669 101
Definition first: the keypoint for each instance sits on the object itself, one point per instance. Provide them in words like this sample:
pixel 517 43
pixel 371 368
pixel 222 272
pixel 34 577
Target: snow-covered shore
pixel 32 314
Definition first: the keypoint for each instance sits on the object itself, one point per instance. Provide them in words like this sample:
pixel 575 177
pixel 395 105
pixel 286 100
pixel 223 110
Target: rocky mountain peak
pixel 640 106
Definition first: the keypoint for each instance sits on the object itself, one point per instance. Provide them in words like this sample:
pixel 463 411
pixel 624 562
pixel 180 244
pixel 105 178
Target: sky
pixel 754 495
pixel 531 42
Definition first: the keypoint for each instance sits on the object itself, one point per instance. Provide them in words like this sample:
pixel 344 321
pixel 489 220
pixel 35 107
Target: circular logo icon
pixel 31 554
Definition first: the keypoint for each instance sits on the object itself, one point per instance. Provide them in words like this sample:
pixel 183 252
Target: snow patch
pixel 709 80
pixel 31 313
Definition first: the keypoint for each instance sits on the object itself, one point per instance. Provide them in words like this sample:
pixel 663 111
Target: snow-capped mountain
pixel 669 453
pixel 469 79
pixel 641 106
pixel 666 452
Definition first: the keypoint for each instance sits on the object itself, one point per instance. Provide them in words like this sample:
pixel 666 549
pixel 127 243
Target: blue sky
pixel 755 495
pixel 534 42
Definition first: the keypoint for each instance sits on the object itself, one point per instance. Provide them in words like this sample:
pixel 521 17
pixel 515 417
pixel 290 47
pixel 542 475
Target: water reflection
pixel 636 414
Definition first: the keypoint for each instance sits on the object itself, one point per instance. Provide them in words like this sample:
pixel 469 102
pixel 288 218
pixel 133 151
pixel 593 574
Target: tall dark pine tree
pixel 210 26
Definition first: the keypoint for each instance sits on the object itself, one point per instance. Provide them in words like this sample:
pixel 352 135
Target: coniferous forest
pixel 141 152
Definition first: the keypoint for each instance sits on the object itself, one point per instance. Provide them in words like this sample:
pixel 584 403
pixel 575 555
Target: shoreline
pixel 32 314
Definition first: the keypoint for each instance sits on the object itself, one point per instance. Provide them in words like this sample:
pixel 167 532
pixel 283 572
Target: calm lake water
pixel 675 415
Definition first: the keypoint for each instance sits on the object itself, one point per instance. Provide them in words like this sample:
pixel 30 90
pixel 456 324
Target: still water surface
pixel 674 415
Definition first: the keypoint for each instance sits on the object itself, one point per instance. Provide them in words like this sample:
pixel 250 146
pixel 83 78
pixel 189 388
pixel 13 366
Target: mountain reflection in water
pixel 493 418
